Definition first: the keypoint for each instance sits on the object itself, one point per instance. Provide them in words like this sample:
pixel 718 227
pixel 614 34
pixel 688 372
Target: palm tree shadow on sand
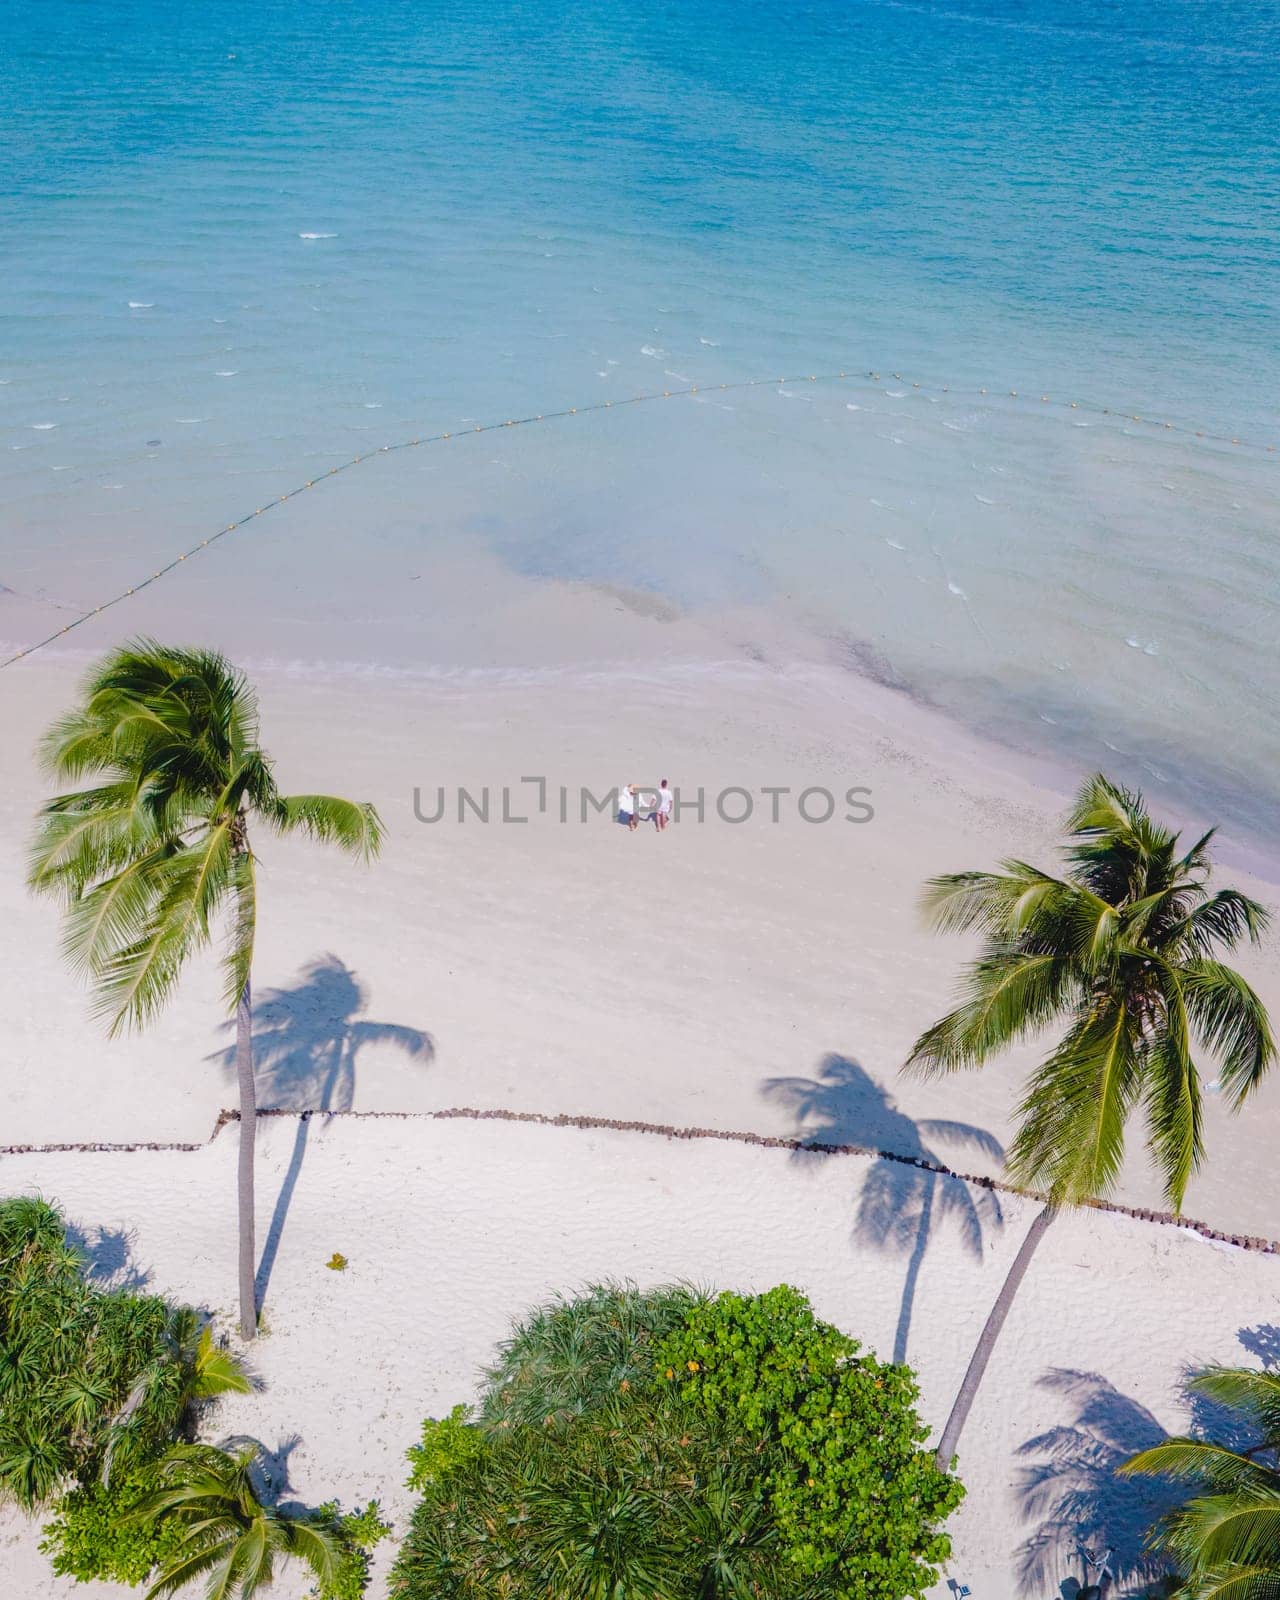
pixel 307 1041
pixel 900 1206
pixel 1070 1489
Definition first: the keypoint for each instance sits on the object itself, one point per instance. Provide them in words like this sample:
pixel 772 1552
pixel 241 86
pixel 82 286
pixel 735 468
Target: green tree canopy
pixel 675 1447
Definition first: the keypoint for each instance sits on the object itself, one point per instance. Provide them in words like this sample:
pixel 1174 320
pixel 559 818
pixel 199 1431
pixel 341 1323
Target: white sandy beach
pixel 453 1228
pixel 702 977
pixel 758 977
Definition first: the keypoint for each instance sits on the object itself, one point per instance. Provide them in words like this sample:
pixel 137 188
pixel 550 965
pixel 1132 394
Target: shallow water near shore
pixel 253 243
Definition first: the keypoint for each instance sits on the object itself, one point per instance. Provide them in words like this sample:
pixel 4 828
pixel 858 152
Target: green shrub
pixel 100 1395
pixel 93 1382
pixel 668 1444
pixel 357 1533
pixel 854 1498
pixel 448 1445
pixel 575 1354
pixel 90 1536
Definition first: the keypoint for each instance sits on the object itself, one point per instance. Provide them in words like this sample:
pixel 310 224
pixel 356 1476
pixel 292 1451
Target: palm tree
pixel 156 854
pixel 1120 949
pixel 1226 1539
pixel 190 1371
pixel 231 1534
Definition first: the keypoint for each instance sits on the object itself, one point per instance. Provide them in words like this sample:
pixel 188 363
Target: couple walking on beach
pixel 656 804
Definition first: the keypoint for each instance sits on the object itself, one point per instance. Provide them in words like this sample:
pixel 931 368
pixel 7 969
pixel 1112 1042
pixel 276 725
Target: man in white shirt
pixel 663 814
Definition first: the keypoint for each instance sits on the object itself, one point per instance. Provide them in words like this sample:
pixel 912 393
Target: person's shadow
pixel 306 1043
pixel 900 1205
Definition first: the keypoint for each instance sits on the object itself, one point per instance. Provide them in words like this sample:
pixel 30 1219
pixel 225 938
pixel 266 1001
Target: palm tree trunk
pixel 987 1340
pixel 244 1184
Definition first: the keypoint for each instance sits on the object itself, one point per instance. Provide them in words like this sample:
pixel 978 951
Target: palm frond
pixel 1225 918
pixel 1245 1389
pixel 1233 1022
pixel 353 826
pixel 1241 1528
pixel 1237 1583
pixel 193 1560
pixel 75 744
pixel 1105 809
pixel 114 912
pixel 1171 1088
pixel 1200 1462
pixel 215 1371
pixel 1007 996
pixel 1072 1117
pixel 84 836
pixel 251 1566
pixel 135 979
pixel 1197 859
pixel 310 1541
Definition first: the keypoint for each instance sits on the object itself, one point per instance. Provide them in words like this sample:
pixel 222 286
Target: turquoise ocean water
pixel 245 241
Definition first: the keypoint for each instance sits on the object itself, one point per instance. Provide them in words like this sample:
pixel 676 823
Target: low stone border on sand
pixel 664 1131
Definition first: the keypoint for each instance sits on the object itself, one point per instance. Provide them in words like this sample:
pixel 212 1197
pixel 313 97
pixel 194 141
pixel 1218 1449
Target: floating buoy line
pixel 613 405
